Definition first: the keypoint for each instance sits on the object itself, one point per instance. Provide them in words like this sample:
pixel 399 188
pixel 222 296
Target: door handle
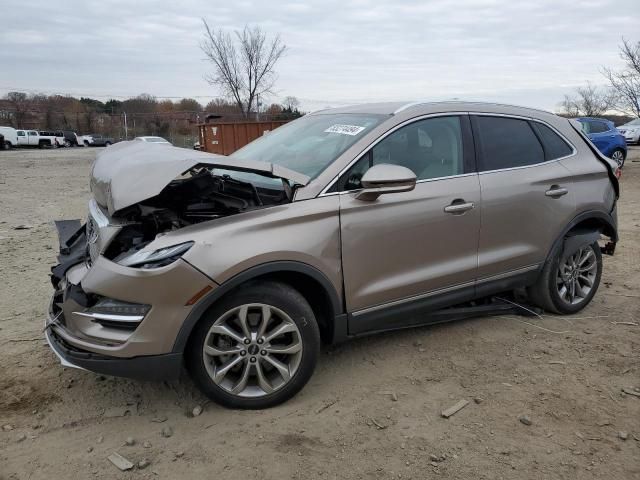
pixel 458 208
pixel 556 192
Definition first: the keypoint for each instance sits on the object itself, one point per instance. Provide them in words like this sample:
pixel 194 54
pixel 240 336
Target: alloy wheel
pixel 252 350
pixel 576 275
pixel 618 157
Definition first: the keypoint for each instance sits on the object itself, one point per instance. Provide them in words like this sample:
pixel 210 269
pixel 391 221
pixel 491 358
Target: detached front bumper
pixel 151 367
pixel 82 338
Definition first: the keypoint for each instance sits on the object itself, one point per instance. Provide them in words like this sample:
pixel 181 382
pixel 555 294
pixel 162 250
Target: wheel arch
pixel 306 279
pixel 587 227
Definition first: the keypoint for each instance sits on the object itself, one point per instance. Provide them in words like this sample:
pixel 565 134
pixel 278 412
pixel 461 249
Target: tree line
pixel 146 114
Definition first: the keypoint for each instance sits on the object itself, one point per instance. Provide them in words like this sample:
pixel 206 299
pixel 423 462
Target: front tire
pixel 618 156
pixel 256 348
pixel 568 282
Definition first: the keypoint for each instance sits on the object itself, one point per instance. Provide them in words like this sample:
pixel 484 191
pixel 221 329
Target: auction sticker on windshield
pixel 345 129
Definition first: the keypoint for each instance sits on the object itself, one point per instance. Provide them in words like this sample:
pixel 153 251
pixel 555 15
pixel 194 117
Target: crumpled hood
pixel 129 172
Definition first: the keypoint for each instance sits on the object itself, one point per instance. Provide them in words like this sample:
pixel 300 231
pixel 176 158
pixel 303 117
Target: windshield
pixel 156 140
pixel 634 122
pixel 311 143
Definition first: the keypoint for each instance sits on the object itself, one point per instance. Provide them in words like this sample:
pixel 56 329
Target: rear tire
pixel 7 145
pixel 579 272
pixel 263 375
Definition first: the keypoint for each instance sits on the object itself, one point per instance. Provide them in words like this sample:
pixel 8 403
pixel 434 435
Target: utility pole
pixel 126 133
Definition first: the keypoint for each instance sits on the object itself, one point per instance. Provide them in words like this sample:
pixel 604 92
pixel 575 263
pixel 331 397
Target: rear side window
pixel 554 145
pixel 506 143
pixel 594 126
pixel 599 127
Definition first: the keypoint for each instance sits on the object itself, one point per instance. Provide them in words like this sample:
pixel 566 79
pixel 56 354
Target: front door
pixel 404 249
pixel 22 137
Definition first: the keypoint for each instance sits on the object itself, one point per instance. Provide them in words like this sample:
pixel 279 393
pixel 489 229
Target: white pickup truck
pixel 34 138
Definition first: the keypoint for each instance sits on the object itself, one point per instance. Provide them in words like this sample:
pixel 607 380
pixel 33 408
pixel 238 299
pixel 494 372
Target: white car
pixel 10 137
pixel 153 140
pixel 631 131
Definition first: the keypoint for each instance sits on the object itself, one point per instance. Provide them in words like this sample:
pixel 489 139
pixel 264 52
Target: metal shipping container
pixel 226 138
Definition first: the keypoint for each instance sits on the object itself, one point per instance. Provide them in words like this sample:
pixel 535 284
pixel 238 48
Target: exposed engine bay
pixel 202 194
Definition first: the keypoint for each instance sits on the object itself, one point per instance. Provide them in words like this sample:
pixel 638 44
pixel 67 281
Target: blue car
pixel 606 137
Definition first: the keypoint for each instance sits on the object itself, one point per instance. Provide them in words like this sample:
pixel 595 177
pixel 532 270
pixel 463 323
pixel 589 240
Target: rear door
pixel 403 249
pixel 34 137
pixel 527 196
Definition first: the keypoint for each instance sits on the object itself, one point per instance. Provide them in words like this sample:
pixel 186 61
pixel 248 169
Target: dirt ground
pixel 372 409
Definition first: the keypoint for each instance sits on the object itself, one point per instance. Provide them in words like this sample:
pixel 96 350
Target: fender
pixel 272 267
pixel 583 236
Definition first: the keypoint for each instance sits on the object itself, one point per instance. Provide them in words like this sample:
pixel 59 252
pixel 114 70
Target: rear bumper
pixel 153 367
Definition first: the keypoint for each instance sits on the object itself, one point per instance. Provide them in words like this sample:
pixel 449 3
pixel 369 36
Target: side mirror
pixel 385 178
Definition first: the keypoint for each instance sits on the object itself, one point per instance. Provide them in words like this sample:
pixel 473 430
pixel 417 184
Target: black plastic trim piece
pixel 408 314
pixel 152 367
pixel 437 308
pixel 608 219
pixel 272 267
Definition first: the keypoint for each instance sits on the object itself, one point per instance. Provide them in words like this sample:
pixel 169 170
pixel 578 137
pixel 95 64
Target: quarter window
pixel 554 145
pixel 507 143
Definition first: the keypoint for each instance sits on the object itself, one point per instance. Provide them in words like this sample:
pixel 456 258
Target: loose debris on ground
pixel 373 408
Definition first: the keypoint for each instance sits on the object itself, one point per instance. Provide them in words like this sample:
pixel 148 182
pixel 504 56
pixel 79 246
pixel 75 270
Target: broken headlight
pixel 156 258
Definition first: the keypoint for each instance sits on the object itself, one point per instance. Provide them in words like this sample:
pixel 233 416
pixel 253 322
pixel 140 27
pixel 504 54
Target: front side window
pixel 311 143
pixel 431 148
pixel 506 143
pixel 554 146
pixel 33 134
pixel 20 133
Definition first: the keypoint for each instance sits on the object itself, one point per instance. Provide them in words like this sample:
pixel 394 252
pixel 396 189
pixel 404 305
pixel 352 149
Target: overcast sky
pixel 340 51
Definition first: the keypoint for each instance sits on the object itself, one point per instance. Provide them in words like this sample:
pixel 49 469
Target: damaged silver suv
pixel 342 223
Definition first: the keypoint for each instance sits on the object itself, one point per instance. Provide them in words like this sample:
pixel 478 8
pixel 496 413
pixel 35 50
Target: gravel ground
pixel 372 409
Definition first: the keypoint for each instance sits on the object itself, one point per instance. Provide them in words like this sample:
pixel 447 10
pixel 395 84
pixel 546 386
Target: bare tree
pixel 20 104
pixel 243 67
pixel 292 103
pixel 589 101
pixel 626 82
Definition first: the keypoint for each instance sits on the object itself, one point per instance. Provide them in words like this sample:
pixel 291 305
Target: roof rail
pixel 417 103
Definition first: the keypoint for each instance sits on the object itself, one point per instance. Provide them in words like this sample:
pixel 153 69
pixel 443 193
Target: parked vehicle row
pixel 13 138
